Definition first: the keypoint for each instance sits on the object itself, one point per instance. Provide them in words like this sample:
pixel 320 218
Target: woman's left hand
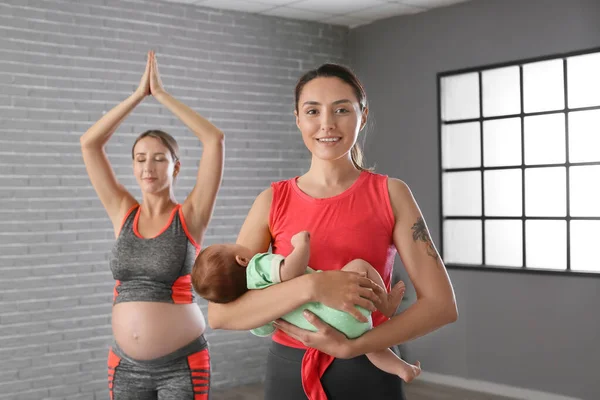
pixel 156 86
pixel 327 339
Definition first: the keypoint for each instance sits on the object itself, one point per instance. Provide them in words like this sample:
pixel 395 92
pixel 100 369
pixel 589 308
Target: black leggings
pixel 354 379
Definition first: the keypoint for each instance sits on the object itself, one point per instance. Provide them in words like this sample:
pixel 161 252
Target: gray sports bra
pixel 154 269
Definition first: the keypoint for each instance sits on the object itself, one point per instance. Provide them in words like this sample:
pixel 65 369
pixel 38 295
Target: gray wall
pixel 63 63
pixel 531 331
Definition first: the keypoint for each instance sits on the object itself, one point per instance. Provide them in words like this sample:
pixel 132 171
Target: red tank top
pixel 358 223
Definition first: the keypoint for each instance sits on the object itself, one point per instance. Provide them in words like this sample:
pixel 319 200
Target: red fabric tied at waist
pixel 315 362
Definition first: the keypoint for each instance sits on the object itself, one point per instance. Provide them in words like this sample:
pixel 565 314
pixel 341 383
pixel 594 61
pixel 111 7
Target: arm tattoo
pixel 420 234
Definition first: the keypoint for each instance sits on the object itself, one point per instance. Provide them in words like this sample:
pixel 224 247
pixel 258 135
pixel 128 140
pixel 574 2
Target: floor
pixel 415 391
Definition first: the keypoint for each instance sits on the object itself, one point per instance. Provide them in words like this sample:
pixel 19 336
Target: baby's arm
pixel 295 264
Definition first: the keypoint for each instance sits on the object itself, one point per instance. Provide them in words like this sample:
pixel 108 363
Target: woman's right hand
pixel 343 290
pixel 143 89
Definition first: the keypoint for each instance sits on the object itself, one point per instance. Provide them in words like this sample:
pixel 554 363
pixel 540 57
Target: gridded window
pixel 520 164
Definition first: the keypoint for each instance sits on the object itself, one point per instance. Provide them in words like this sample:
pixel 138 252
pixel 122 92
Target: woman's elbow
pixel 85 141
pixel 88 142
pixel 217 138
pixel 444 311
pixel 450 312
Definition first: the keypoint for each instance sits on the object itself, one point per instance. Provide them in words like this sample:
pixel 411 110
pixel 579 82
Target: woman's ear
pixel 243 261
pixel 177 168
pixel 363 119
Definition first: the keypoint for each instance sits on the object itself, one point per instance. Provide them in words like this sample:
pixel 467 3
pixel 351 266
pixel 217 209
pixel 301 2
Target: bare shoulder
pixel 262 203
pixel 255 233
pixel 398 187
pixel 265 197
pixel 401 196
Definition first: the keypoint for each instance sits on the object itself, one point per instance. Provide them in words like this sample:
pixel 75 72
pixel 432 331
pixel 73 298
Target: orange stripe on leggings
pixel 200 372
pixel 113 363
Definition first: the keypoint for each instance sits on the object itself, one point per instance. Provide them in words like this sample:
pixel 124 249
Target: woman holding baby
pixel 351 213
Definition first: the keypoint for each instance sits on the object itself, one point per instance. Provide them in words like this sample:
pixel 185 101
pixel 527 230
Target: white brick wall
pixel 62 63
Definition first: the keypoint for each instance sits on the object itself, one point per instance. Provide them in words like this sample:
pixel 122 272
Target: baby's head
pixel 219 273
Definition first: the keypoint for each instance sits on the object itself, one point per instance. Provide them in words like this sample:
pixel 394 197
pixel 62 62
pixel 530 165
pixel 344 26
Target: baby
pixel 224 272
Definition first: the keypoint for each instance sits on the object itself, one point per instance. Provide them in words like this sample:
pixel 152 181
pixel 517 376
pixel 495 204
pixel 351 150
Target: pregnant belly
pixel 145 330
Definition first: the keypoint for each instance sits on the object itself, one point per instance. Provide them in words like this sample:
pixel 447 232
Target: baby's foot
pixel 410 372
pixel 394 297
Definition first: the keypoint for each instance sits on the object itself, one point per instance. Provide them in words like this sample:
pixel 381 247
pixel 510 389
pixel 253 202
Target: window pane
pixel 545 192
pixel 543 88
pixel 460 97
pixel 461 146
pixel 504 243
pixel 501 92
pixel 585 192
pixel 545 139
pixel 462 193
pixel 546 243
pixel 584 80
pixel 584 237
pixel 462 242
pixel 502 142
pixel 584 136
pixel 503 193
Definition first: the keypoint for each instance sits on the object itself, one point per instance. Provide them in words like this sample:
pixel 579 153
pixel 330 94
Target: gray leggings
pixel 353 379
pixel 181 375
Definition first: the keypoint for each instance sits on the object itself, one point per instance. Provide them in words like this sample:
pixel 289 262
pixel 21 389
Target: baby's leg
pixel 386 360
pixel 359 265
pixel 389 303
